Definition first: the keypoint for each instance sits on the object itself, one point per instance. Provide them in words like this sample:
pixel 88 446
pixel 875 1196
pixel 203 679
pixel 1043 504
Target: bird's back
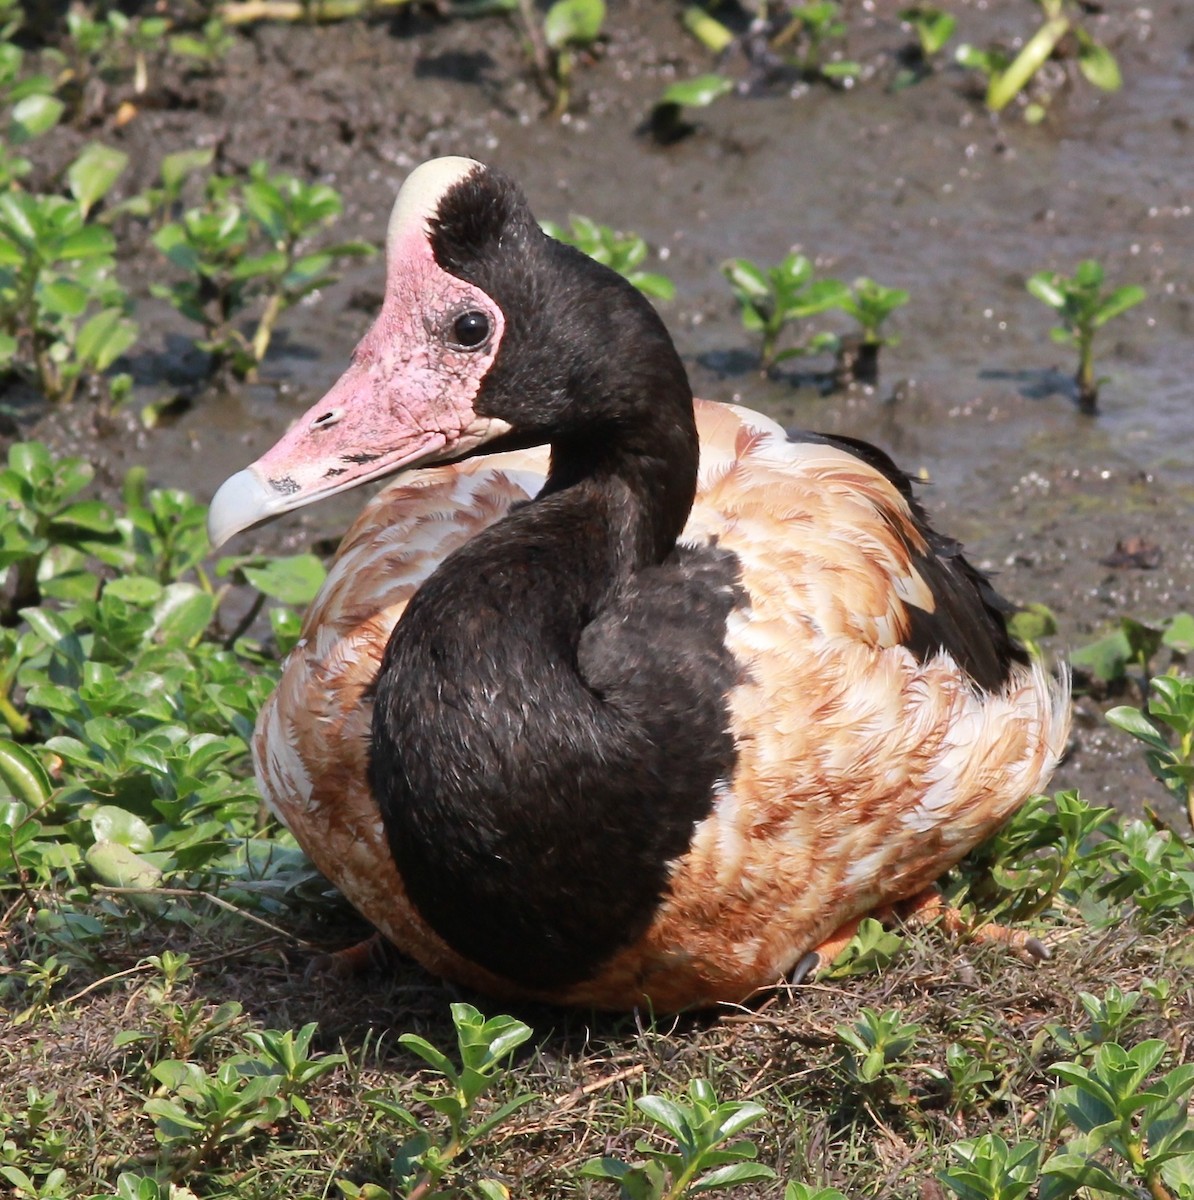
pixel 882 723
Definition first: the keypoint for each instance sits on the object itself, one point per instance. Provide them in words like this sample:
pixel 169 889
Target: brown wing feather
pixel 862 773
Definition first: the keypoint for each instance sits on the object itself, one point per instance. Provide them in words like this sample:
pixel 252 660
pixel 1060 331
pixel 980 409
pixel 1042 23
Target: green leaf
pixel 23 775
pixel 33 116
pixel 664 1112
pixel 1119 301
pixel 1133 721
pixel 104 338
pixel 117 866
pixel 293 580
pixel 1044 286
pixel 699 92
pixel 1097 63
pixel 730 1175
pixel 92 515
pixel 112 824
pixel 90 242
pixel 573 23
pixel 95 170
pixel 1179 633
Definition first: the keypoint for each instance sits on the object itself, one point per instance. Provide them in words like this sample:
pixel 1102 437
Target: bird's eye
pixel 470 330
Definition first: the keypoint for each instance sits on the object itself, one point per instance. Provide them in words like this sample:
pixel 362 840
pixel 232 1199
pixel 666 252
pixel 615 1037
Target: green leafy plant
pixel 870 304
pixel 56 269
pixel 1171 761
pixel 987 1168
pixel 1084 308
pixel 123 685
pixel 1007 77
pixel 426 1159
pixel 29 102
pixel 704 1158
pixel 1032 860
pixel 872 948
pixel 874 1050
pixel 106 47
pixel 770 299
pixel 622 252
pixel 42 514
pixel 206 50
pixel 568 28
pixel 667 122
pixel 1133 645
pixel 1110 1016
pixel 200 1114
pixel 159 203
pixel 933 27
pixel 810 28
pixel 247 243
pixel 1116 1107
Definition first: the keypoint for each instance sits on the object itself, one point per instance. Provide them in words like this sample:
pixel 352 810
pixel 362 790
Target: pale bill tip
pixel 242 500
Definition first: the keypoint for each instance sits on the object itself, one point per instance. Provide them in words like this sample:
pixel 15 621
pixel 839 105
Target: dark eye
pixel 470 330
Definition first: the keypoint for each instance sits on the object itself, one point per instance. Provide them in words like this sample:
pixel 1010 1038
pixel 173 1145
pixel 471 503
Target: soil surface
pixel 917 187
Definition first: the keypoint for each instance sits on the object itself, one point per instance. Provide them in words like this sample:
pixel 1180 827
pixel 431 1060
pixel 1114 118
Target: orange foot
pixel 365 956
pixel 920 910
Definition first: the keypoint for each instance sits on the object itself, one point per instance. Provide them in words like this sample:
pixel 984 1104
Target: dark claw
pixel 807 967
pixel 1038 949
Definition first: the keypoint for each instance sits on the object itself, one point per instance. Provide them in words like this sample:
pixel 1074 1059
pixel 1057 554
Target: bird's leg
pixel 928 906
pixel 353 960
pixel 921 910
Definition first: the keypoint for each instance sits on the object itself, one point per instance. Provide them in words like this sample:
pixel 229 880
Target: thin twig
pixel 218 901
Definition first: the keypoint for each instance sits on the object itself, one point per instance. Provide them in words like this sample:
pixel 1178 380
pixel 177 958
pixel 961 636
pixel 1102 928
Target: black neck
pixel 518 802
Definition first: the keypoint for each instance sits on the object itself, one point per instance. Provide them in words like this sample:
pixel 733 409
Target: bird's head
pixel 491 336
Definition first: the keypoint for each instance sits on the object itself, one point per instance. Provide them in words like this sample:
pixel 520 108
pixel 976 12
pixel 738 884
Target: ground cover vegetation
pixel 158 1038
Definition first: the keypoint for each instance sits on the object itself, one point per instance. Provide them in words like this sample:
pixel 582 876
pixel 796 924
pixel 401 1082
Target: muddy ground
pixel 918 188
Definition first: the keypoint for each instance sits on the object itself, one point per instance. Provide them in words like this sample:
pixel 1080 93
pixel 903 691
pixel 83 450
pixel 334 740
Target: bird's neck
pixel 499 771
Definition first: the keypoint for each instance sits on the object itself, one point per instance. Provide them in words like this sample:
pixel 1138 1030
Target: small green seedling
pixel 871 949
pixel 704 1158
pixel 1083 308
pixel 1108 660
pixel 1115 1106
pixel 29 100
pixel 56 270
pixel 1034 857
pixel 667 122
pixel 933 28
pixel 772 298
pixel 1111 1015
pixel 987 1168
pixel 426 1160
pixel 874 1049
pixel 200 1115
pixel 811 27
pixel 206 50
pixel 110 46
pixel 1171 759
pixel 248 242
pixel 158 204
pixel 568 28
pixel 621 252
pixel 1008 77
pixel 870 304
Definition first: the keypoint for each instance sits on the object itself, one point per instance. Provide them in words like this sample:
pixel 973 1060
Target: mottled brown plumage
pixel 805 710
pixel 863 774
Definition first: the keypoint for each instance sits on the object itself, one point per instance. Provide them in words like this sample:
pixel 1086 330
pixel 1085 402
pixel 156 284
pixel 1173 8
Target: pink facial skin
pixel 408 395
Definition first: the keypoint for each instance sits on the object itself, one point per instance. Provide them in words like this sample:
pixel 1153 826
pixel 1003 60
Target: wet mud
pixel 918 188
